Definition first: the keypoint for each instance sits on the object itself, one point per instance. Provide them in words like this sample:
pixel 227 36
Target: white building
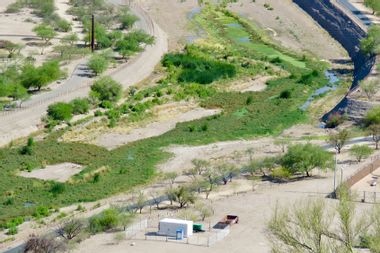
pixel 169 227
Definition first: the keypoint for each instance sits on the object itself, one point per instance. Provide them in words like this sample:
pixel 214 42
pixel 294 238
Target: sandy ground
pixel 290 26
pixel 161 126
pixel 5 3
pixel 365 183
pixel 221 151
pixel 59 172
pixel 247 236
pixel 254 84
pixel 174 23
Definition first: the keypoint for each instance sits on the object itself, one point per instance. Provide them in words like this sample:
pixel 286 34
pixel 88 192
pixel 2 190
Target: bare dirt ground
pixel 250 235
pixel 59 172
pixel 114 140
pixel 255 84
pixel 290 26
pixel 172 16
pixel 365 183
pixel 164 118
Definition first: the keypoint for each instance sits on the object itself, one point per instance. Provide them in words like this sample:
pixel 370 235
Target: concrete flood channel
pixel 343 29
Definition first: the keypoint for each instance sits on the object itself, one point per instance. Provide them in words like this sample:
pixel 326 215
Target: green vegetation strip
pixel 194 73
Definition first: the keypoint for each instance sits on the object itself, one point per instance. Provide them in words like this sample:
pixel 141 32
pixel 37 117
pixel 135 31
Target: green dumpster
pixel 197 227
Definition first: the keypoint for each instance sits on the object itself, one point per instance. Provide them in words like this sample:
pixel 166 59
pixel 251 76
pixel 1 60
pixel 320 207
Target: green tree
pixel 373 4
pixel 12 48
pixel 60 111
pixel 70 229
pixel 46 33
pixel 106 89
pixel 282 143
pixel 200 166
pixel 18 92
pixel 371 44
pixel 184 196
pixel 360 152
pixel 70 39
pixel 339 139
pixel 369 88
pixel 98 64
pixel 212 177
pixel 303 158
pixel 374 129
pixel 125 219
pixel 32 77
pixel 373 116
pixel 132 43
pixel 313 226
pixel 301 229
pixel 127 20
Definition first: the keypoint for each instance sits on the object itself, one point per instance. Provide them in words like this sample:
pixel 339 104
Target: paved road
pixel 359 14
pixel 24 121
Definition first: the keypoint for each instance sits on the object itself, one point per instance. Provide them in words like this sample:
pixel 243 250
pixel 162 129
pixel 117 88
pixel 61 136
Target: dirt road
pixel 24 121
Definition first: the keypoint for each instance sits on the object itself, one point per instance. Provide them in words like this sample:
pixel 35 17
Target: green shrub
pixel 9 201
pixel 80 106
pixel 57 188
pixel 249 100
pixel 12 230
pixel 60 111
pixel 334 120
pixel 127 21
pixel 285 94
pixel 26 150
pixel 41 211
pixel 62 25
pixel 14 7
pixel 98 113
pixel 106 89
pixel 107 220
pixel 98 64
pixel 361 152
pixel 281 173
pixel 198 70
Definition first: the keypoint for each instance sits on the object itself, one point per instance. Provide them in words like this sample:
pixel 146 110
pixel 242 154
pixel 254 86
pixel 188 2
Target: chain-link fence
pixel 367 197
pixel 146 229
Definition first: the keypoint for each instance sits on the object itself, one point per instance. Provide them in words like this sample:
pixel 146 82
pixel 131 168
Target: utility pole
pixel 336 162
pixel 92 32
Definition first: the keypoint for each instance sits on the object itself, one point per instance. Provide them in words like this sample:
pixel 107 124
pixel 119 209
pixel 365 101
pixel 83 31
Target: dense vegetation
pixel 195 73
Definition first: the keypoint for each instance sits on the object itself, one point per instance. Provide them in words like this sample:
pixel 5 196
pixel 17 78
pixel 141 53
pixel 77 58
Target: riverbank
pixel 345 31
